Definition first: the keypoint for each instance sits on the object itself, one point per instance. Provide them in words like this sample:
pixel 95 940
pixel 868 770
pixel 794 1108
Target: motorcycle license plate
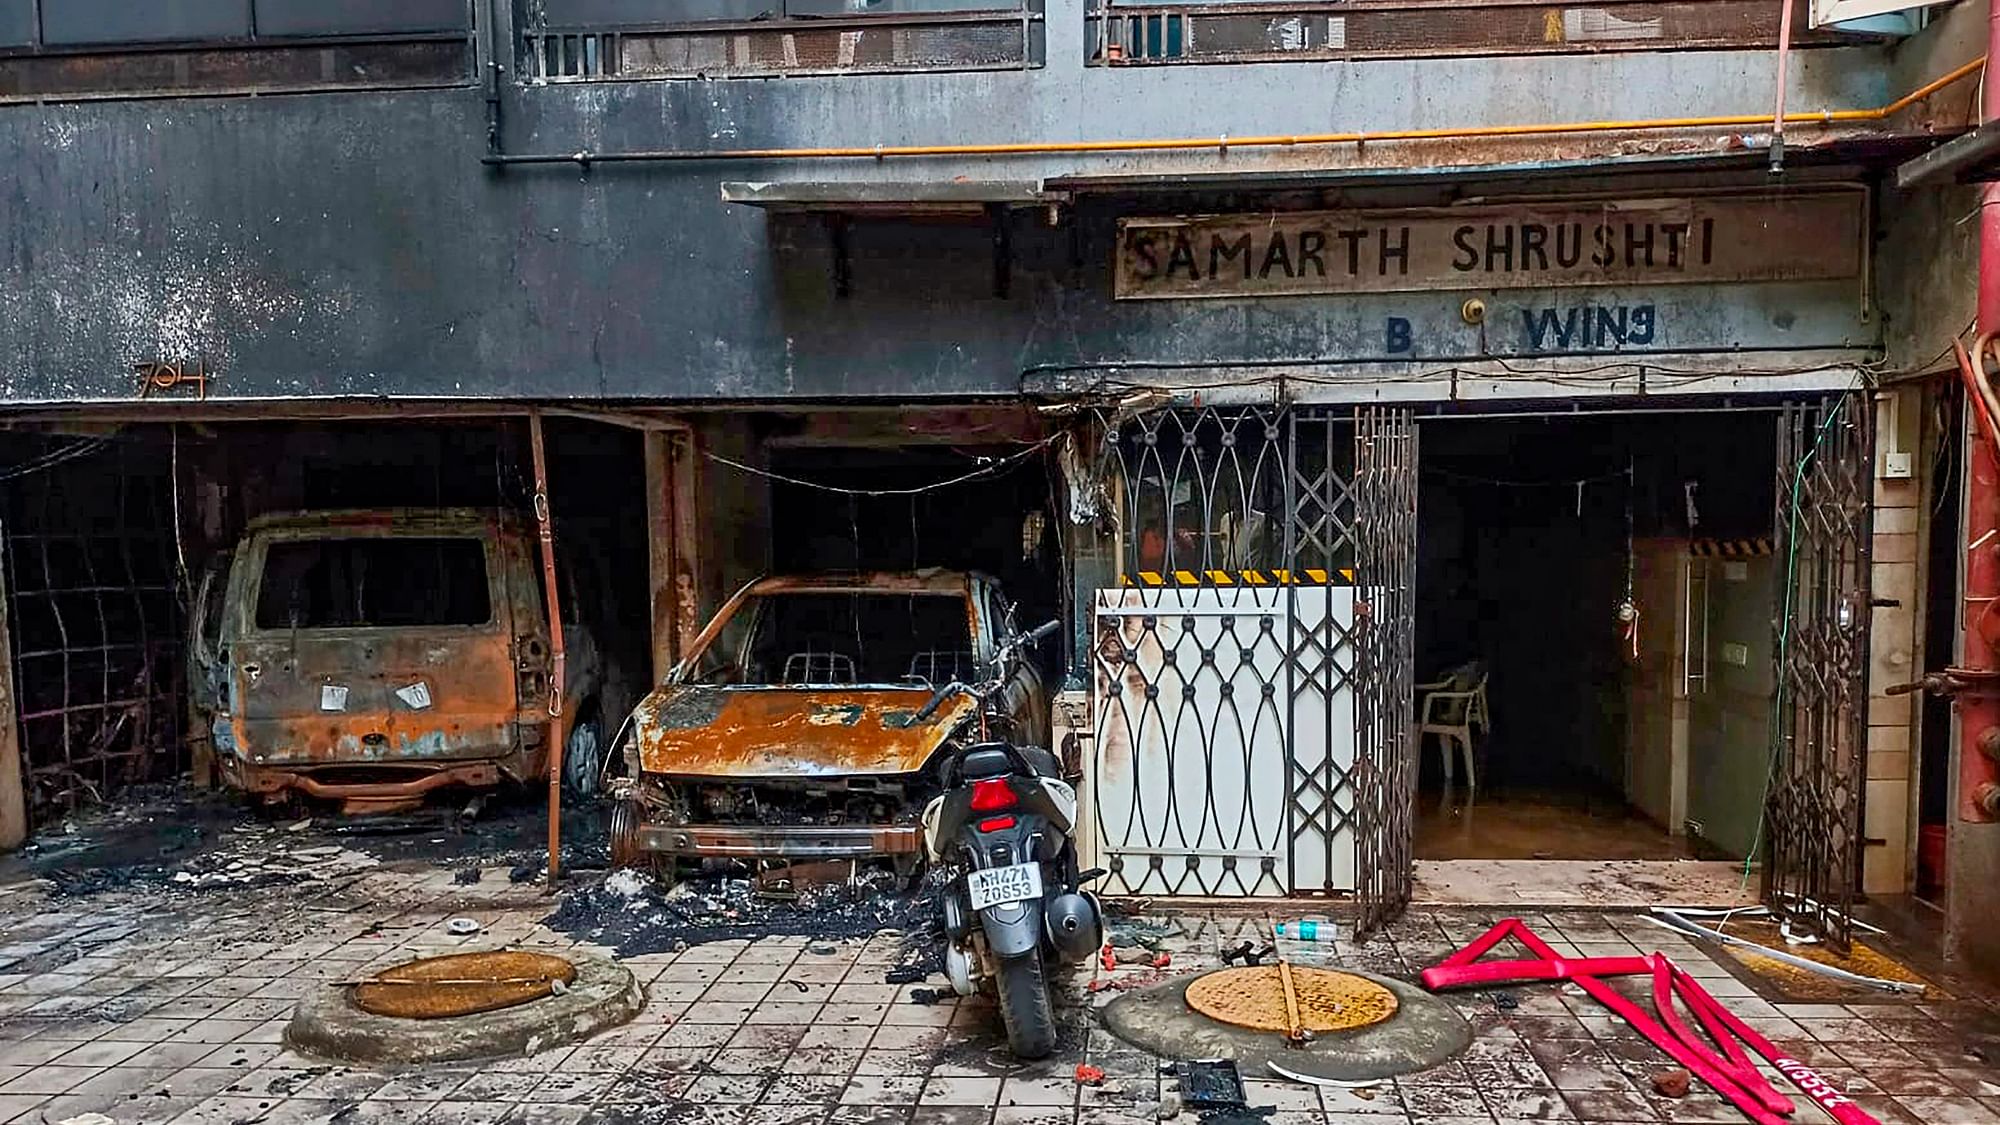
pixel 997 885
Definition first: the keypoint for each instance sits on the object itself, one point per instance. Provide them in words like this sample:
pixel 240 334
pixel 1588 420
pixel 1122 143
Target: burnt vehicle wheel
pixel 1024 1006
pixel 624 833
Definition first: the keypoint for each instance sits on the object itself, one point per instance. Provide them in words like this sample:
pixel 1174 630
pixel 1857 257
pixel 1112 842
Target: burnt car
pixel 371 657
pixel 791 729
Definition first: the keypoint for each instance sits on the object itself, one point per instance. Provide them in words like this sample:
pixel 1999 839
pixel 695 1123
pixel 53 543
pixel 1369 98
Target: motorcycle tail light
pixel 992 795
pixel 996 824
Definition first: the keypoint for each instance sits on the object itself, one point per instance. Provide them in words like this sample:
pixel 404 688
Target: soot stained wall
pixel 352 244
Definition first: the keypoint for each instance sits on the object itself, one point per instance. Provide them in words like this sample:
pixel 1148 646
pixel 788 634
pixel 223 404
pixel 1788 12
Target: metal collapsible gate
pixel 1385 476
pixel 1813 811
pixel 1252 671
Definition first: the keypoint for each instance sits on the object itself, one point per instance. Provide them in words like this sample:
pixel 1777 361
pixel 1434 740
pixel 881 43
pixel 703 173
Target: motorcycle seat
pixel 993 761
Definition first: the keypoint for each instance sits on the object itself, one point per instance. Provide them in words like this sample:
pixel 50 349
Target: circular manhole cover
pixel 1254 998
pixel 462 984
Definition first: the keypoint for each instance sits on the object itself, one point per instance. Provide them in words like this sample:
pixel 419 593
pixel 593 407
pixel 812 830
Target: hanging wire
pixel 1631 560
pixel 174 498
pixel 83 447
pixel 854 600
pixel 1628 610
pixel 1944 451
pixel 992 467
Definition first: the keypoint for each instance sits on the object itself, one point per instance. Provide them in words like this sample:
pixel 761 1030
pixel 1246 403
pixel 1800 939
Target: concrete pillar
pixel 670 567
pixel 1893 643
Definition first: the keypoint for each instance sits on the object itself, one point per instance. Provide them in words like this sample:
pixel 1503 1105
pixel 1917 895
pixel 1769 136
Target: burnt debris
pixel 635 914
pixel 179 839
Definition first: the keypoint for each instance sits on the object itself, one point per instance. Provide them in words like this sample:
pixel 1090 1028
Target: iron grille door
pixel 1223 680
pixel 1320 538
pixel 1187 772
pixel 1385 490
pixel 1819 705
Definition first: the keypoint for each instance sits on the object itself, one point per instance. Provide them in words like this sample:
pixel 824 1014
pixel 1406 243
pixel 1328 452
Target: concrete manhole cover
pixel 1383 1027
pixel 466 1006
pixel 1321 1000
pixel 463 984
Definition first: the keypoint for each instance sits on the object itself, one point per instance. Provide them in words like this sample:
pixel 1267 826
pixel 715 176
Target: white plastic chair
pixel 1451 709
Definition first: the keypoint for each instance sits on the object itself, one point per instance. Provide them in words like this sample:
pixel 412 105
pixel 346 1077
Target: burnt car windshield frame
pixel 246 605
pixel 712 633
pixel 755 602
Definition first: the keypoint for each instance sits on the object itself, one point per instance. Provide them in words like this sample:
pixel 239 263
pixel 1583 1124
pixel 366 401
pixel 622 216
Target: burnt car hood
pixel 790 733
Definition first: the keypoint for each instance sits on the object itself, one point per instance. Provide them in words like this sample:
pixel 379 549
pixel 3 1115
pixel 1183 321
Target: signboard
pixel 1804 237
pixel 1825 12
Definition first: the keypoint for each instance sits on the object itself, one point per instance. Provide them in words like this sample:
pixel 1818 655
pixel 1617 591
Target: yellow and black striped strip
pixel 1733 548
pixel 1311 576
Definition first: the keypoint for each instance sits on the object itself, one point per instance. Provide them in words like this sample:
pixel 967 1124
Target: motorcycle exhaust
pixel 958 969
pixel 1075 925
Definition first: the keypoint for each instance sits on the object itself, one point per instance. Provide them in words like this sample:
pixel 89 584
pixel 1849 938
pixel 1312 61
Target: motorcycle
pixel 1006 817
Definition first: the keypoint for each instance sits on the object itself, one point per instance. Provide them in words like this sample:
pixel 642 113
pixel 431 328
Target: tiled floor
pixel 147 1011
pixel 1455 824
pixel 1583 884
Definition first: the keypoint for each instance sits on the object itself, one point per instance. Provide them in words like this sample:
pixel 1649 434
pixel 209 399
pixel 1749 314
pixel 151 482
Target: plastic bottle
pixel 1304 931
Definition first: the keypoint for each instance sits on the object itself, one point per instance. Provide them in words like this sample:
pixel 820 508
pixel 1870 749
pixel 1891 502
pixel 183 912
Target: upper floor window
pixel 599 39
pixel 123 48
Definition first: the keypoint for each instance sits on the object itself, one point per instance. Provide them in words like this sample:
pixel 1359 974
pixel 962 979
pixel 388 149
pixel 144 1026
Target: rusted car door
pixel 208 658
pixel 375 646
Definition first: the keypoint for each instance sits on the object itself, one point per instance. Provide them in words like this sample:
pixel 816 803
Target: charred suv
pixel 793 728
pixel 371 657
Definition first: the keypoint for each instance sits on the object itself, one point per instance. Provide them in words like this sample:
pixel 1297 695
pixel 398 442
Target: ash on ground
pixel 635 914
pixel 176 838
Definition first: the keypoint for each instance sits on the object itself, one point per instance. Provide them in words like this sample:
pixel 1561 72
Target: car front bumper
pixel 846 841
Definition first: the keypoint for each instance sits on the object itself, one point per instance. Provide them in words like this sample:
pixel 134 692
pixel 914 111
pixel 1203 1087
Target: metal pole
pixel 1784 60
pixel 13 772
pixel 553 599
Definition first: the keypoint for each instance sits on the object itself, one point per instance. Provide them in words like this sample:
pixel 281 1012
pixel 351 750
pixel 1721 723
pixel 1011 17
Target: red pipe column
pixel 558 678
pixel 1979 712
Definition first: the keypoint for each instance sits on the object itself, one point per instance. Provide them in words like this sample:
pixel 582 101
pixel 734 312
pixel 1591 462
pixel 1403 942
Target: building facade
pixel 1573 345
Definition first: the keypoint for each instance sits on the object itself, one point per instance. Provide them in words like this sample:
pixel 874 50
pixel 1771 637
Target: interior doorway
pixel 1944 548
pixel 1598 591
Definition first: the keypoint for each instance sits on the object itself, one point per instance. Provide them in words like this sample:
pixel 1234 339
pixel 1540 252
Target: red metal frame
pixel 1728 1070
pixel 558 679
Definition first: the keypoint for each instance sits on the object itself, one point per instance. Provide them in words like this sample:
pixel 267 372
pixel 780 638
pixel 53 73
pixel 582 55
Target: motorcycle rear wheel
pixel 1025 1007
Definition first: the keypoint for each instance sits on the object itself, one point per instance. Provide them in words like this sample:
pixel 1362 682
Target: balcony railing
pixel 63 49
pixel 1263 31
pixel 717 38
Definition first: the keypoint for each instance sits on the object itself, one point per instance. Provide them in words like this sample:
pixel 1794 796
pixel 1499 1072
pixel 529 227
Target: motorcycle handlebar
pixel 937 699
pixel 955 687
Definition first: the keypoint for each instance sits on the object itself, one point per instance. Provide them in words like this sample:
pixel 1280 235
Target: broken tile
pixel 960 1091
pixel 871 1090
pixel 1958 1110
pixel 821 1089
pixel 1532 1104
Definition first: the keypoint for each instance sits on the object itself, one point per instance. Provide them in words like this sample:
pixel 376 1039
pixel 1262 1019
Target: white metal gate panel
pixel 1224 741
